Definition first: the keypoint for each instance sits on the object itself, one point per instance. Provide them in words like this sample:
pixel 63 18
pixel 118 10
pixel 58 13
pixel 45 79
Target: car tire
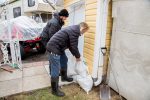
pixel 22 52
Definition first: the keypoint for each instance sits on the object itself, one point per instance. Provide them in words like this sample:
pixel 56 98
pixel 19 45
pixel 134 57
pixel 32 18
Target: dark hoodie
pixel 63 39
pixel 53 26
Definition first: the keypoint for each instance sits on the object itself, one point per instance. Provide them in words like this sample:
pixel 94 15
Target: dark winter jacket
pixel 64 39
pixel 53 26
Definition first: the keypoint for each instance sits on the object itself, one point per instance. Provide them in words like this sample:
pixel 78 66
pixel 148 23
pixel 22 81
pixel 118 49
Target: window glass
pixel 17 12
pixel 31 3
pixel 46 17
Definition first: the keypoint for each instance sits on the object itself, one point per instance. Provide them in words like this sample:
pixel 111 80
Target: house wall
pixel 90 18
pixel 90 13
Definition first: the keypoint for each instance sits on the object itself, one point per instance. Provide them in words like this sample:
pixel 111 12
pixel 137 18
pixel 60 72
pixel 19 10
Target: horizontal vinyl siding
pixel 91 6
pixel 91 12
pixel 90 18
pixel 91 2
pixel 69 2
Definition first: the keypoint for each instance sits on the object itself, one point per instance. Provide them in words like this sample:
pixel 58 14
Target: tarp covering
pixel 23 28
pixel 130 49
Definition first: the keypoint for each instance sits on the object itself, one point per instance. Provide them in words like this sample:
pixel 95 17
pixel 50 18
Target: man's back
pixel 63 39
pixel 53 26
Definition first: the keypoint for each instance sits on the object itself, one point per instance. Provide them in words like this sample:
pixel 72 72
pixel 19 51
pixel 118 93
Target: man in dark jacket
pixel 66 38
pixel 54 25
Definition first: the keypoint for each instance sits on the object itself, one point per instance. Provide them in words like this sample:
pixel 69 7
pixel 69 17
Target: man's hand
pixel 78 59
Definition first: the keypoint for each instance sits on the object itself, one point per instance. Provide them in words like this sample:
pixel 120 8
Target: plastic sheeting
pixel 130 49
pixel 22 28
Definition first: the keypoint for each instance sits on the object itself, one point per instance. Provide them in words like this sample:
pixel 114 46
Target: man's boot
pixel 64 76
pixel 55 87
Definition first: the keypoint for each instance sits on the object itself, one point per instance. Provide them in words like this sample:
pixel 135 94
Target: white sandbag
pixel 86 83
pixel 81 68
pixel 83 77
pixel 79 72
pixel 71 64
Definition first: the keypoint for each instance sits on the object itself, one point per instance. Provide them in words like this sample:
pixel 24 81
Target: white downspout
pixel 101 26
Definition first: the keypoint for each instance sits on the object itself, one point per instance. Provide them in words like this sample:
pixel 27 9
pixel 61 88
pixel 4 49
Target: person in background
pixel 53 25
pixel 66 38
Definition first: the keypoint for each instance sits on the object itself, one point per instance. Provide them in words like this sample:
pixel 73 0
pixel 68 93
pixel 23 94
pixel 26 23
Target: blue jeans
pixel 57 63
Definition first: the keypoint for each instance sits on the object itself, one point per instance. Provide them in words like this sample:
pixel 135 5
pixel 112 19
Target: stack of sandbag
pixel 79 71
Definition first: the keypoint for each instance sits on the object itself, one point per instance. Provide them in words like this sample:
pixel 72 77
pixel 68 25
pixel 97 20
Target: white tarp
pixel 23 28
pixel 130 48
